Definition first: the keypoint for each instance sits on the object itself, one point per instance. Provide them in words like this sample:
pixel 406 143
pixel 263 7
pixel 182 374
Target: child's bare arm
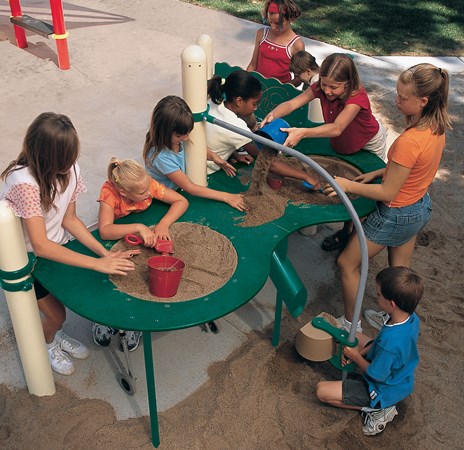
pixel 254 57
pixel 370 176
pixel 285 170
pixel 183 181
pixel 118 263
pixel 111 231
pixel 385 192
pixel 298 46
pixel 179 205
pixel 229 169
pixel 327 130
pixel 354 354
pixel 289 106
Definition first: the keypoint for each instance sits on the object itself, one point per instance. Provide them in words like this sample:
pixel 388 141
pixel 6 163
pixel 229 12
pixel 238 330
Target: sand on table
pixel 210 260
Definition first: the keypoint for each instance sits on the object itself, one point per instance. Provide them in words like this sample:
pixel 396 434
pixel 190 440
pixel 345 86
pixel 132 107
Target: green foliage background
pixel 372 27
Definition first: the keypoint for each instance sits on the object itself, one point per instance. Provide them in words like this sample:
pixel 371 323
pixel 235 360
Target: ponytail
pixel 432 83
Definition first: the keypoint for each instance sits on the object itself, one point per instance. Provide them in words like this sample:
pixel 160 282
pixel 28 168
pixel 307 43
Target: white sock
pixel 367 409
pixel 348 323
pixel 53 343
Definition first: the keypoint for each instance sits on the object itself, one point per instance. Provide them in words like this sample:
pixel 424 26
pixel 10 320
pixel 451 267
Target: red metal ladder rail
pixel 57 30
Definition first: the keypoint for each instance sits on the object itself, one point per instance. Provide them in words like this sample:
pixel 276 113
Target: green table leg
pixel 277 320
pixel 150 374
pixel 289 287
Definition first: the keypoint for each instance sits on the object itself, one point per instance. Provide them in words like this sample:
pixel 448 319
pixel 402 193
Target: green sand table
pixel 262 252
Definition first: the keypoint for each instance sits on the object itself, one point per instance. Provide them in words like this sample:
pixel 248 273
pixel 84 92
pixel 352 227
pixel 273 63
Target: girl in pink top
pixel 42 185
pixel 275 45
pixel 403 204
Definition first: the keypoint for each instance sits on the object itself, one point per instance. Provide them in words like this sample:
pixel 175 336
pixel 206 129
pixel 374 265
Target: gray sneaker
pixel 133 340
pixel 102 334
pixel 376 421
pixel 376 319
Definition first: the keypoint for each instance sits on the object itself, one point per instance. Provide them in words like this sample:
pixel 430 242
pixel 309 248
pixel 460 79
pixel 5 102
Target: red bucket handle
pixel 133 239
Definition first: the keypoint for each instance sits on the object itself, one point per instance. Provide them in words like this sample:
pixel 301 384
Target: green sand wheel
pixel 341 336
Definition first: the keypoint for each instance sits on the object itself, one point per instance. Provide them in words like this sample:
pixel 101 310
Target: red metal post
pixel 20 33
pixel 60 34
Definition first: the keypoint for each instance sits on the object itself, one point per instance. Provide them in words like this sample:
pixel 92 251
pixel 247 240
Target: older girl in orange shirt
pixel 403 204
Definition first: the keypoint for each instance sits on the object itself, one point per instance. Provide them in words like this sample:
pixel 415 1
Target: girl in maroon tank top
pixel 276 44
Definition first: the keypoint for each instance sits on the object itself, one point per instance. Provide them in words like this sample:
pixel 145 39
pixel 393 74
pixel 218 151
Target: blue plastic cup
pixel 272 131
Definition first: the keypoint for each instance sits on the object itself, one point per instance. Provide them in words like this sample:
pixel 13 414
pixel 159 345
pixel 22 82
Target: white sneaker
pixel 61 363
pixel 346 324
pixel 376 421
pixel 72 347
pixel 376 319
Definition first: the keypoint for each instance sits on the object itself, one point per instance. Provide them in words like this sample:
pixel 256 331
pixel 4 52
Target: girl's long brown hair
pixel 171 115
pixel 340 67
pixel 50 149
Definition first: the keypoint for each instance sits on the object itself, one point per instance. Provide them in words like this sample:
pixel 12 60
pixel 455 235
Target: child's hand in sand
pixel 116 263
pixel 235 200
pixel 147 234
pixel 314 182
pixel 342 182
pixel 161 231
pixel 366 178
pixel 243 158
pixel 229 169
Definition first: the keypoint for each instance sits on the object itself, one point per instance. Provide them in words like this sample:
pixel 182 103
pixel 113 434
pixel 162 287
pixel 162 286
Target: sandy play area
pixel 124 58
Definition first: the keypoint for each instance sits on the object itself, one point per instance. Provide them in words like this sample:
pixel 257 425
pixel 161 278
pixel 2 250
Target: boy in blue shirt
pixel 388 362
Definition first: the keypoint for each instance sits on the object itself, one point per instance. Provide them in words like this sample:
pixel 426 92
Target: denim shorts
pixel 394 227
pixel 355 392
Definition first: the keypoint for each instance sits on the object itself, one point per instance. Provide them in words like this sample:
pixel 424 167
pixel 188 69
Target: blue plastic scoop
pixel 311 186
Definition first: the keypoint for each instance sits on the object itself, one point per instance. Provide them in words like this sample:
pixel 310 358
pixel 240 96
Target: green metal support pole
pixel 277 320
pixel 150 374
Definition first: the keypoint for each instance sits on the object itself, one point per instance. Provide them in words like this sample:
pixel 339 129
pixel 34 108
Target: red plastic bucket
pixel 165 273
pixel 275 182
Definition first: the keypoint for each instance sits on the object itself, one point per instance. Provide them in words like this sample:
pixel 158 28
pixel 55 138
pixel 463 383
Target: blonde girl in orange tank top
pixel 403 204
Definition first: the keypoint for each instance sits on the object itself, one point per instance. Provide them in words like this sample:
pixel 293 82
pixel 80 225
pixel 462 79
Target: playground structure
pixel 57 30
pixel 16 281
pixel 121 311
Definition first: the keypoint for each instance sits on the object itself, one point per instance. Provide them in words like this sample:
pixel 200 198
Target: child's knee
pixel 345 263
pixel 321 391
pixel 54 311
pixel 342 262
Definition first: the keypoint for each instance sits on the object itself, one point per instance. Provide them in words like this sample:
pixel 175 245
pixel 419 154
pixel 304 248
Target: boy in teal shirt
pixel 387 363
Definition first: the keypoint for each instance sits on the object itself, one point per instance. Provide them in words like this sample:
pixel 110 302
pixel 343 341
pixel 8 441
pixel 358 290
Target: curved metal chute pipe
pixel 344 198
